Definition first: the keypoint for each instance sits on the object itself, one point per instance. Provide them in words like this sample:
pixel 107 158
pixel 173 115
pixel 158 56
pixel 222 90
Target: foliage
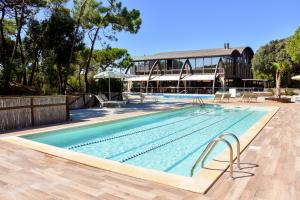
pixel 47 55
pixel 293 46
pixel 107 19
pixel 262 62
pixel 101 86
pixel 289 92
pixel 280 67
pixel 111 58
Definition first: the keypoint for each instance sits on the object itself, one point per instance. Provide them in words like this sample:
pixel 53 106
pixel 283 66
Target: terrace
pixel 270 170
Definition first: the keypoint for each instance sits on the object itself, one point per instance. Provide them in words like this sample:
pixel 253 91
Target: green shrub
pixel 290 92
pixel 271 90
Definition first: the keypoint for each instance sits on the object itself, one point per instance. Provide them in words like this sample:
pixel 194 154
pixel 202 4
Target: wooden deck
pixel 271 170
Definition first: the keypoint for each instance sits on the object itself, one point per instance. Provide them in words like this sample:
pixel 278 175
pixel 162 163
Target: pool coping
pixel 199 183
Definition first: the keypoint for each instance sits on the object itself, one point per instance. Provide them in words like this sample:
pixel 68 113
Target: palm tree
pixel 281 67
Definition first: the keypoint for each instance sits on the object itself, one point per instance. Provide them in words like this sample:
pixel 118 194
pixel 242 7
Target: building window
pixel 192 62
pixel 199 65
pixel 215 61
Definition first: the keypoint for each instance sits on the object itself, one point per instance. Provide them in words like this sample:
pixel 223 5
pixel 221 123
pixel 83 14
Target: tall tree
pixel 33 47
pixel 293 46
pixel 58 35
pixel 79 11
pixel 262 62
pixel 281 67
pixel 108 19
pixel 111 58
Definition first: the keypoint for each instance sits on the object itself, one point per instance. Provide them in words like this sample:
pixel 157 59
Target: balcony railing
pixel 194 90
pixel 177 71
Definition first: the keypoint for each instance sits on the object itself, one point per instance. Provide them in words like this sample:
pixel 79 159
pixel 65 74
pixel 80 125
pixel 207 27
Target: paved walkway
pixel 272 162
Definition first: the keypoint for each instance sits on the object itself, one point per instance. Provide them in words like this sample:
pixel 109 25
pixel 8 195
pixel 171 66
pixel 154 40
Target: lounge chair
pixel 103 100
pixel 253 97
pixel 248 97
pixel 148 97
pixel 218 97
pixel 245 97
pixel 125 97
pixel 226 96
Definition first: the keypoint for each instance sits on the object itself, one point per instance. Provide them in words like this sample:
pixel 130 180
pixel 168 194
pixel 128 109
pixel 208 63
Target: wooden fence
pixel 21 112
pixel 81 101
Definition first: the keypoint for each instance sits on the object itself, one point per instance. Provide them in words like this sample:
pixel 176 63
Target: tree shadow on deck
pixel 83 114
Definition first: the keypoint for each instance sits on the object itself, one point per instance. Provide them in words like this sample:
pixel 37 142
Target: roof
pixel 192 54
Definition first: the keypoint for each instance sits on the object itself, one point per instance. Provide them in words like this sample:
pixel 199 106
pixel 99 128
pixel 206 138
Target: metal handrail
pixel 207 152
pixel 212 145
pixel 238 146
pixel 183 91
pixel 198 100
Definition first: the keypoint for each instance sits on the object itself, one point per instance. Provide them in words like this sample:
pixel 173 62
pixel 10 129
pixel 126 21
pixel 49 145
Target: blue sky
pixel 171 25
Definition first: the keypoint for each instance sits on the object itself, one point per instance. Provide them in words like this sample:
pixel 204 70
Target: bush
pixel 102 86
pixel 271 90
pixel 289 92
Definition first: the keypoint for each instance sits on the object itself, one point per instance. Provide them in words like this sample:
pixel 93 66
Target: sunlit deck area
pixel 270 170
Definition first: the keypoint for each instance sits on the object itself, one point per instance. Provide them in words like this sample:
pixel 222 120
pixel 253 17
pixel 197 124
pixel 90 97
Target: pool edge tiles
pixel 199 183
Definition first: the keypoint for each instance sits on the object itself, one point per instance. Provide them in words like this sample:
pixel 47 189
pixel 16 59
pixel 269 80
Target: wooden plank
pixel 34 106
pixel 31 111
pixel 28 174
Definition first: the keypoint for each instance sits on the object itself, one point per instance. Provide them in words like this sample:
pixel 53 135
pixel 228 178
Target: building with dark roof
pixel 196 71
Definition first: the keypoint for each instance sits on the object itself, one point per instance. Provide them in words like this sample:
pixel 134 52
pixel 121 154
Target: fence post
pixel 67 108
pixel 32 111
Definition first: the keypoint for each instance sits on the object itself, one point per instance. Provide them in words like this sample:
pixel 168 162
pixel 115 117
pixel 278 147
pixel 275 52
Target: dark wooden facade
pixel 199 71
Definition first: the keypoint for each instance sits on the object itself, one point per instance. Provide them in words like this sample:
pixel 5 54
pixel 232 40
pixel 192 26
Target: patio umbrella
pixel 297 78
pixel 109 75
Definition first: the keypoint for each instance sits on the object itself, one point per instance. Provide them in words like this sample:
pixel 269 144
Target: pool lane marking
pixel 136 132
pixel 158 139
pixel 169 142
pixel 155 140
pixel 206 142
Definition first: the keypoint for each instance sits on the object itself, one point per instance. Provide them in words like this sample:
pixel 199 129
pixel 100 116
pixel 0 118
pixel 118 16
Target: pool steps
pixel 212 145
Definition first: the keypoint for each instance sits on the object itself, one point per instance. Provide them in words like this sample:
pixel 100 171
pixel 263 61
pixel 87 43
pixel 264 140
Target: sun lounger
pixel 148 97
pixel 125 97
pixel 245 97
pixel 218 97
pixel 104 102
pixel 222 97
pixel 226 96
pixel 249 97
pixel 253 97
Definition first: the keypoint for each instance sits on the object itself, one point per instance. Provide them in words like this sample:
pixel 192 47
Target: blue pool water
pixel 182 96
pixel 167 141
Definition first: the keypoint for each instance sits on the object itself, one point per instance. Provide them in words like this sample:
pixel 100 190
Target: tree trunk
pixel 19 24
pixel 60 81
pixel 1 28
pixel 32 73
pixel 87 89
pixel 23 61
pixel 278 84
pixel 79 78
pixel 73 42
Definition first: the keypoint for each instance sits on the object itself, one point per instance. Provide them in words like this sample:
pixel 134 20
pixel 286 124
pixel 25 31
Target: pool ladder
pixel 212 145
pixel 197 101
pixel 183 92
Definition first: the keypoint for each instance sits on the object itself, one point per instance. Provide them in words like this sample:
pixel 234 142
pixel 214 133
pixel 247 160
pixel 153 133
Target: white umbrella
pixel 296 77
pixel 109 75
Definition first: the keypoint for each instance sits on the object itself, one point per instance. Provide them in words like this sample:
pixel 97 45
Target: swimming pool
pixel 182 96
pixel 167 141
